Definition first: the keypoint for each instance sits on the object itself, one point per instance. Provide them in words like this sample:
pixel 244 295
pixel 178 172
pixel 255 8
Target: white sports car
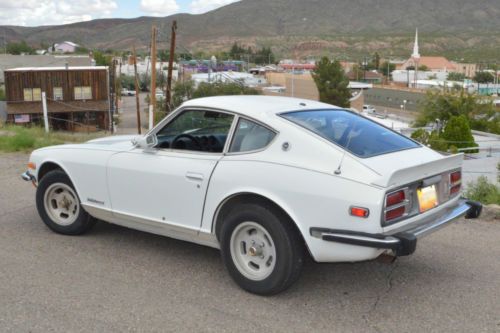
pixel 267 180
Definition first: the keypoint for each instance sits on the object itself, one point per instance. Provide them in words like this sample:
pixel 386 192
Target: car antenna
pixel 339 171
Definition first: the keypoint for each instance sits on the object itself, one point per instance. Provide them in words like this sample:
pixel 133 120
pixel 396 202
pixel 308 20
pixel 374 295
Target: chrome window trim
pixel 170 117
pixel 276 134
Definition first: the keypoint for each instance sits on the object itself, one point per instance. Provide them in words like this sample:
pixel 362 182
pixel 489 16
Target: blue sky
pixel 53 12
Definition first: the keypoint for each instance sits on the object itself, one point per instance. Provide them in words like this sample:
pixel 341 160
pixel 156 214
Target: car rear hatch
pixel 417 181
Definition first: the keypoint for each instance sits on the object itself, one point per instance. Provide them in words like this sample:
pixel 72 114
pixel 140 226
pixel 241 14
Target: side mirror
pixel 145 142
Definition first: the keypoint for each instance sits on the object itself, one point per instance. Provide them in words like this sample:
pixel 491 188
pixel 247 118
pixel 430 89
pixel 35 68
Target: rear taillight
pixel 394 213
pixel 395 198
pixel 455 182
pixel 396 205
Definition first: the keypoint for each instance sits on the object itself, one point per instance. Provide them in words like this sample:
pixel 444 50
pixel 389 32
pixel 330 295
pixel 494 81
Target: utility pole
pixel 152 98
pixel 138 108
pixel 168 96
pixel 117 85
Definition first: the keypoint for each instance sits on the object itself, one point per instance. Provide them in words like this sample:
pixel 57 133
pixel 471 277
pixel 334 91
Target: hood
pixel 110 140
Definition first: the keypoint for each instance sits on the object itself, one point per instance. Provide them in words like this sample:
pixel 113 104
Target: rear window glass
pixel 356 134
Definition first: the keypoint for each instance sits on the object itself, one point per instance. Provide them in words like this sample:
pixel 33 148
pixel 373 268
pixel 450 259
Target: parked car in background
pixel 369 109
pixel 267 180
pixel 126 92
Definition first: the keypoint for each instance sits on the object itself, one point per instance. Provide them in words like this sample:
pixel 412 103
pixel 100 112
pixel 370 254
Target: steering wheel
pixel 187 136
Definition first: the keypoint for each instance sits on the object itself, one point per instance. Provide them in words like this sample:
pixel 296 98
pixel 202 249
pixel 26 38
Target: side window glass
pixel 250 136
pixel 196 130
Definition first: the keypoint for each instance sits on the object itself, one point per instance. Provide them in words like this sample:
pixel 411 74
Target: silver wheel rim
pixel 253 251
pixel 61 204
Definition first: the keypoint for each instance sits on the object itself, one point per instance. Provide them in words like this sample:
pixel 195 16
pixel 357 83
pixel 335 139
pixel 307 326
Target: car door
pixel 167 184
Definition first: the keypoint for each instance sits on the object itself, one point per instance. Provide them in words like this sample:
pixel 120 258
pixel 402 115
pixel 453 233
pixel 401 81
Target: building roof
pixel 51 69
pixel 436 62
pixel 69 43
pixel 433 63
pixel 369 75
pixel 8 61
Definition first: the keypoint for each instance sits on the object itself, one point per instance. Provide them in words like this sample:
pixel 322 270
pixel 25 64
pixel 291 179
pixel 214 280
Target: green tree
pixel 2 94
pixel 264 56
pixel 444 105
pixel 458 133
pixel 332 82
pixel 375 63
pixel 205 89
pixel 454 76
pixel 182 92
pixel 436 142
pixel 421 135
pixel 81 50
pixel 483 77
pixel 101 59
pixel 384 66
pixel 236 51
pixel 128 82
pixel 18 48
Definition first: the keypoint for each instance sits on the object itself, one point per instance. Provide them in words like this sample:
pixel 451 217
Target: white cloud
pixel 47 12
pixel 159 7
pixel 203 6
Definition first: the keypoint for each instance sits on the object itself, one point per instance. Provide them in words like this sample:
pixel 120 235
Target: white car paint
pixel 179 193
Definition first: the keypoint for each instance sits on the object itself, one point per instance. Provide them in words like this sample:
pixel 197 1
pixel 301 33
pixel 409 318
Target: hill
pixel 460 28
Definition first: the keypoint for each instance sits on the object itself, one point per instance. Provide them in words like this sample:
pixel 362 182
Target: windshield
pixel 356 134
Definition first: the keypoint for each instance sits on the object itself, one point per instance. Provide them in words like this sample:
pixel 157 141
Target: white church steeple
pixel 416 54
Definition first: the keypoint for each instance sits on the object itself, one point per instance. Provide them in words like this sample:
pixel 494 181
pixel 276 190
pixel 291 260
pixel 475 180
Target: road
pixel 128 115
pixel 115 280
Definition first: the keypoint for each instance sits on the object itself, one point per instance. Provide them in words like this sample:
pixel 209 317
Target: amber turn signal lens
pixel 359 212
pixel 31 166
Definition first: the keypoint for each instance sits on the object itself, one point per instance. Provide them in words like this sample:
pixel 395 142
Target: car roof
pixel 258 107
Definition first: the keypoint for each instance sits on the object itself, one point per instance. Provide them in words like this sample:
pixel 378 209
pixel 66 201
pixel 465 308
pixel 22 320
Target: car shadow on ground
pixel 317 280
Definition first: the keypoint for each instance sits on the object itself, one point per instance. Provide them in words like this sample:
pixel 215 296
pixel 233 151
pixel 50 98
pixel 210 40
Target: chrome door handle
pixel 194 176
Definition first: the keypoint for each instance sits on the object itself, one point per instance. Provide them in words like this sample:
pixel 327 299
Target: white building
pixel 247 79
pixel 64 47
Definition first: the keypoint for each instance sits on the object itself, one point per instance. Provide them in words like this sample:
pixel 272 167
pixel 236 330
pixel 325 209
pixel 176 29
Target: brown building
pixel 77 97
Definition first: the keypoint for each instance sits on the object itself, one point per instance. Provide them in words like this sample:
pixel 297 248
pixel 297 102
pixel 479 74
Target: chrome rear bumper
pixel 402 241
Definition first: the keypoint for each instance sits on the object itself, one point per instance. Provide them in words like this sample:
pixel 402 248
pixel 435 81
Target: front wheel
pixel 59 206
pixel 261 249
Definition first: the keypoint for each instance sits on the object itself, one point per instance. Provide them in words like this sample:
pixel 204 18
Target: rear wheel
pixel 261 249
pixel 59 206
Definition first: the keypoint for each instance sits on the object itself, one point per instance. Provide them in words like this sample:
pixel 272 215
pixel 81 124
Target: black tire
pixel 288 244
pixel 83 221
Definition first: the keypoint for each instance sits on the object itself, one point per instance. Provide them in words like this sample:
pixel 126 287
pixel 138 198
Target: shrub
pixel 457 133
pixel 421 135
pixel 437 143
pixel 483 191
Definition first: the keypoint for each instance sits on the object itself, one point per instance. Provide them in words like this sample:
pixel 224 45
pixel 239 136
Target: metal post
pixel 151 117
pixel 45 112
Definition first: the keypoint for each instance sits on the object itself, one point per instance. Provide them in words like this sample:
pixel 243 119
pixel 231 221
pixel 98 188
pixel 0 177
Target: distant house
pixel 64 47
pixel 434 64
pixel 8 61
pixel 77 97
